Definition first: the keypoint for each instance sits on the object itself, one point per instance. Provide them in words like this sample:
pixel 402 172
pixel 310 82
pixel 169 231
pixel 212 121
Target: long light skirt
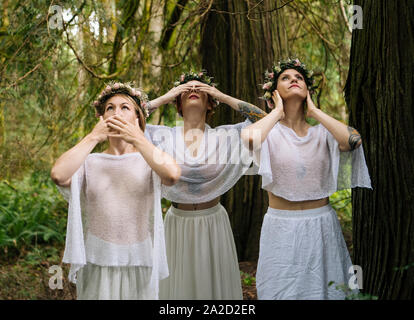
pixel 113 283
pixel 301 251
pixel 202 257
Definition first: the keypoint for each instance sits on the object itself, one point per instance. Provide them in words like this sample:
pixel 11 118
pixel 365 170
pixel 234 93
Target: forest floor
pixel 25 275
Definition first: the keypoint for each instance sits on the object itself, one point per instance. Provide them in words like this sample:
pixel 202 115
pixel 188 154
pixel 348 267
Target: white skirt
pixel 301 252
pixel 201 254
pixel 114 283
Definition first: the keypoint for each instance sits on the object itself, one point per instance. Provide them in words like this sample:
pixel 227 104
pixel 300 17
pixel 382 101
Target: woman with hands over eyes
pixel 201 252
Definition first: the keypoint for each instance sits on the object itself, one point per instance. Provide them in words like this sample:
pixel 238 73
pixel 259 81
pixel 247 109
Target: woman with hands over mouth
pixel 302 248
pixel 115 238
pixel 201 252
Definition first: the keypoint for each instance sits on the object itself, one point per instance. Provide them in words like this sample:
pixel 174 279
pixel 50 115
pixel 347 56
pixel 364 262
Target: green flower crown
pixel 198 76
pixel 113 88
pixel 291 63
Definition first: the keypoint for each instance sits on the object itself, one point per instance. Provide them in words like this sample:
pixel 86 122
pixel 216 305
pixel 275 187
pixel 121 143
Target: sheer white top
pixel 221 160
pixel 310 167
pixel 114 216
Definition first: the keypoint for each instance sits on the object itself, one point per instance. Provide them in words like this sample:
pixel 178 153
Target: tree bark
pixel 379 94
pixel 236 48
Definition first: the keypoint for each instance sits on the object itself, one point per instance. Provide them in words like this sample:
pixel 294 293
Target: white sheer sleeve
pixel 265 169
pixel 160 265
pixel 221 160
pixel 349 167
pixel 75 246
pixel 160 136
pixel 65 192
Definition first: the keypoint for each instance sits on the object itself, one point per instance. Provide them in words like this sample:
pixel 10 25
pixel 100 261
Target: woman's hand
pixel 347 137
pixel 169 97
pixel 311 107
pixel 212 91
pixel 100 131
pixel 162 163
pixel 175 92
pixel 127 131
pixel 256 133
pixel 277 104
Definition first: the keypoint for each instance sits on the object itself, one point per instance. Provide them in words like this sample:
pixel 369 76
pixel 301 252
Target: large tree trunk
pixel 236 49
pixel 379 93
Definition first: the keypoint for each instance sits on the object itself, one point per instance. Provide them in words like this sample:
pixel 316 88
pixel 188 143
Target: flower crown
pixel 113 88
pixel 198 76
pixel 272 76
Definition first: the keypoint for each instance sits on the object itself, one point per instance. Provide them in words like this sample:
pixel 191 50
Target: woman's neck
pixel 118 146
pixel 194 121
pixel 194 126
pixel 294 114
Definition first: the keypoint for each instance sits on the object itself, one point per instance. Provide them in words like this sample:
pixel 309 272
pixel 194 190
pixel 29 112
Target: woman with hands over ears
pixel 115 237
pixel 302 249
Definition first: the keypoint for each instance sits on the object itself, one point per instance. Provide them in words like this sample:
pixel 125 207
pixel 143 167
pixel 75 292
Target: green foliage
pixel 352 294
pixel 247 279
pixel 43 254
pixel 31 212
pixel 341 202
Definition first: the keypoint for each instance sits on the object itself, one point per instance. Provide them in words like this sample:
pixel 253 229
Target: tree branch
pixel 29 72
pixel 313 27
pixel 84 65
pixel 341 4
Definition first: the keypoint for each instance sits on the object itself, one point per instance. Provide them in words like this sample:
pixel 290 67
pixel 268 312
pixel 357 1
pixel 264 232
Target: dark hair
pixel 271 78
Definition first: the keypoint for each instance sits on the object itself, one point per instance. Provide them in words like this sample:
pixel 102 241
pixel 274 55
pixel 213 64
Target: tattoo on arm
pixel 354 138
pixel 251 112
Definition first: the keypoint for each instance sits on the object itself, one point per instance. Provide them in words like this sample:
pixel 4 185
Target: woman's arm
pixel 67 164
pixel 257 132
pixel 248 110
pixel 162 163
pixel 348 138
pixel 168 97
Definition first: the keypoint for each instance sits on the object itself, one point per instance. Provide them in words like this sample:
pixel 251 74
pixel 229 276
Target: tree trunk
pixel 127 9
pixel 236 48
pixel 379 93
pixel 155 28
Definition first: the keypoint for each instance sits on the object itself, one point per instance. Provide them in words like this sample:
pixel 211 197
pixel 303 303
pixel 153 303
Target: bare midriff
pixel 196 206
pixel 276 202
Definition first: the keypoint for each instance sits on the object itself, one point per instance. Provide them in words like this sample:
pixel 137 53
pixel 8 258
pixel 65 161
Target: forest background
pixel 56 56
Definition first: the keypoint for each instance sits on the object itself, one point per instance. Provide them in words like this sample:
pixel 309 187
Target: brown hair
pixel 137 97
